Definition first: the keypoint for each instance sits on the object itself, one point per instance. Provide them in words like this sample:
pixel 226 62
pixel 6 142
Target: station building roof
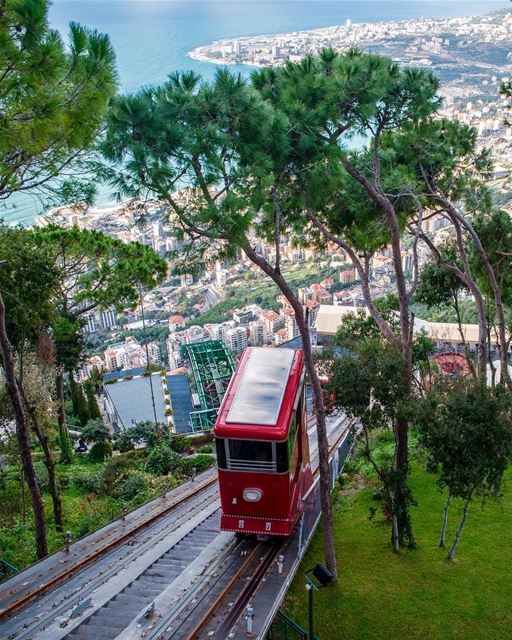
pixel 132 400
pixel 330 317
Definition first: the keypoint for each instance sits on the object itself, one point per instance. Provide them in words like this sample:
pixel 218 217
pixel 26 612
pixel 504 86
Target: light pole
pixel 148 364
pixel 316 578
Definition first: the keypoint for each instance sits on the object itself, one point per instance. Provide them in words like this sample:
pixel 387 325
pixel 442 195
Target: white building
pixel 155 356
pixel 290 324
pixel 236 339
pixel 107 319
pixel 124 355
pixel 258 332
pixel 176 322
pixel 272 320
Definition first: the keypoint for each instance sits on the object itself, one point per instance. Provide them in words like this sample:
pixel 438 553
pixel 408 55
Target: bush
pixel 180 443
pixel 124 442
pixel 95 431
pixel 89 481
pixel 168 412
pixel 162 460
pixel 167 401
pixel 207 448
pixel 42 476
pixel 128 378
pixel 132 486
pixel 199 463
pixel 113 381
pixel 99 451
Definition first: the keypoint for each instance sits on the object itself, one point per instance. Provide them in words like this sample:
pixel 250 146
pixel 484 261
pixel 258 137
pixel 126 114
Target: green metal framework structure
pixel 212 366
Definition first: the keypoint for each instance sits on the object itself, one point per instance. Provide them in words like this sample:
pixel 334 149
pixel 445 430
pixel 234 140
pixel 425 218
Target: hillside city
pixel 179 308
pixel 471 55
pixel 266 392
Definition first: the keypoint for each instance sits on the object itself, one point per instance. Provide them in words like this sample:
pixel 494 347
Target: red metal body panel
pixel 280 506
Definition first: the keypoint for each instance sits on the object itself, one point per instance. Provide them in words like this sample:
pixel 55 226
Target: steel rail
pixel 85 561
pixel 238 607
pixel 192 635
pixel 80 595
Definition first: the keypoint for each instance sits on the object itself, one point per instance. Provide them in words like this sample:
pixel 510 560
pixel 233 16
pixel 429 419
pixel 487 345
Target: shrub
pixel 132 486
pixel 199 463
pixel 128 378
pixel 180 443
pixel 168 412
pixel 113 381
pixel 162 460
pixel 99 451
pixel 89 481
pixel 124 442
pixel 207 448
pixel 42 476
pixel 95 431
pixel 167 401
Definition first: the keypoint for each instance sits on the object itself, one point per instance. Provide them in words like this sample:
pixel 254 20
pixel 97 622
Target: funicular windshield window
pixel 250 450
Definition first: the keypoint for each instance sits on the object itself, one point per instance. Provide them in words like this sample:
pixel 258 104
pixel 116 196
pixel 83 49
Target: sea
pixel 153 37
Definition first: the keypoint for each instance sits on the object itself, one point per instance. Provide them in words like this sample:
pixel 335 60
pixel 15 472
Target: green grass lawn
pixel 417 594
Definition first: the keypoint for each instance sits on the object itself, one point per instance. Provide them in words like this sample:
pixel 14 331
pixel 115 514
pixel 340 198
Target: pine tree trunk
pixel 23 499
pixel 48 461
pixel 22 433
pixel 403 343
pixel 66 454
pixel 323 447
pixel 319 409
pixel 442 537
pixel 402 424
pixel 395 536
pixel 451 553
pixel 498 300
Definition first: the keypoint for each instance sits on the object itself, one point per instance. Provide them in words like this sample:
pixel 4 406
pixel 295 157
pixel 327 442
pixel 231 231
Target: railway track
pixel 173 560
pixel 73 577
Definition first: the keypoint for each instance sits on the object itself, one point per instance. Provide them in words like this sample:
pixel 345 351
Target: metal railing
pixel 7 569
pixel 284 628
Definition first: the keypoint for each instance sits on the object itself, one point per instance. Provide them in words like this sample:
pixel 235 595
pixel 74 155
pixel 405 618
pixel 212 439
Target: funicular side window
pixel 284 450
pixel 221 453
pixel 288 451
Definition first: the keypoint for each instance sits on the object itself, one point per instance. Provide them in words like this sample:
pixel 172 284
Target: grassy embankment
pixel 417 594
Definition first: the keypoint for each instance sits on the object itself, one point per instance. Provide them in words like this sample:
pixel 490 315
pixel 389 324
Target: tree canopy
pixel 53 100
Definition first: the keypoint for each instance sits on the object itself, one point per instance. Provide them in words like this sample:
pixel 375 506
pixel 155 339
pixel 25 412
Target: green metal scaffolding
pixel 212 367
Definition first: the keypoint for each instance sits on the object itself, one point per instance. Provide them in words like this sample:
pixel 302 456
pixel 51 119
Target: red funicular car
pixel 262 443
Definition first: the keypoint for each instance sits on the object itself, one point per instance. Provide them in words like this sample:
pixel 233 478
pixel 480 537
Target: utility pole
pixel 148 364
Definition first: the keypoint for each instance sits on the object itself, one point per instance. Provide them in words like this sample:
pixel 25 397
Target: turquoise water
pixel 152 38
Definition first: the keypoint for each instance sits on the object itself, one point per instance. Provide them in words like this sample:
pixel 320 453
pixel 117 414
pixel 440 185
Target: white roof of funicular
pixel 260 392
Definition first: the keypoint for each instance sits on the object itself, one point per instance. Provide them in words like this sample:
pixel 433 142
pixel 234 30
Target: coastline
pixel 275 49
